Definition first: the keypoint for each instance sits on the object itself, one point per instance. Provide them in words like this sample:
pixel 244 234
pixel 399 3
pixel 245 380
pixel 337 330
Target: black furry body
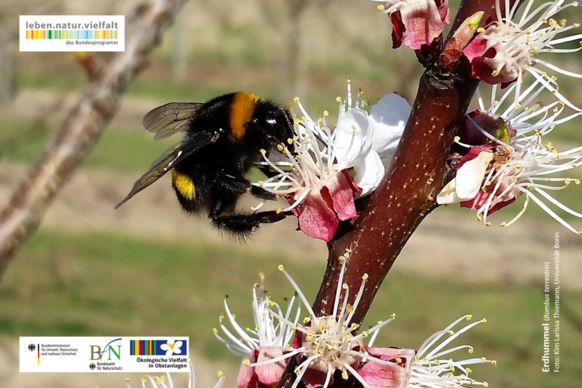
pixel 223 139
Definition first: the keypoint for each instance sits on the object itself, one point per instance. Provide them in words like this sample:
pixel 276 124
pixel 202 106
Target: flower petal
pixel 270 373
pixel 392 354
pixel 423 20
pixel 389 117
pixel 342 197
pixel 476 122
pixel 369 174
pixel 470 176
pixel 497 202
pixel 488 64
pixel 316 216
pixel 398 29
pixel 247 377
pixel 444 11
pixel 448 194
pixel 353 138
pixel 468 181
pixel 396 375
pixel 314 378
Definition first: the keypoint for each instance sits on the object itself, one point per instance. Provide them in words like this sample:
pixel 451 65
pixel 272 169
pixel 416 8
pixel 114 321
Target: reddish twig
pixel 406 195
pixel 82 127
pixel 408 192
pixel 417 174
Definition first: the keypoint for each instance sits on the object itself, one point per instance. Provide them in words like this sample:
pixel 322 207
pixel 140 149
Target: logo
pixel 97 353
pixel 103 354
pixel 87 33
pixel 157 347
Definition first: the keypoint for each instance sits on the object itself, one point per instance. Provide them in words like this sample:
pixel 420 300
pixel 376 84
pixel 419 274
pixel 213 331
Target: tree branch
pixel 416 175
pixel 406 195
pixel 408 191
pixel 82 127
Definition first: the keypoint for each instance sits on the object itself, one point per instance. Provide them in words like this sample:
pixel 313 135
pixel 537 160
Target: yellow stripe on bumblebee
pixel 241 112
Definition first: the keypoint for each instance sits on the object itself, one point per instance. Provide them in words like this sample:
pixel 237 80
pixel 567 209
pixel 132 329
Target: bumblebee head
pixel 272 122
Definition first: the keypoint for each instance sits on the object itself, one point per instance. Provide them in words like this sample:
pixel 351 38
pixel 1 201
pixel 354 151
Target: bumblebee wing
pixel 169 119
pixel 168 160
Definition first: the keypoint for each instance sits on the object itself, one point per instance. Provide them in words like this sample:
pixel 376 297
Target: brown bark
pixel 417 174
pixel 406 195
pixel 408 192
pixel 83 126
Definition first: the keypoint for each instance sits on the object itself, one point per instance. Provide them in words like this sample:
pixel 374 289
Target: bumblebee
pixel 223 139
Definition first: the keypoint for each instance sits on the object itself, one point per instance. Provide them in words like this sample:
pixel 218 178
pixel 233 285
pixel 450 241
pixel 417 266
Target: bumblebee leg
pixel 269 173
pixel 241 185
pixel 226 190
pixel 244 224
pixel 236 184
pixel 261 193
pixel 222 199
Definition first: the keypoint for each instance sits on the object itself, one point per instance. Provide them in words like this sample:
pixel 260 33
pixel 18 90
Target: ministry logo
pixel 32 347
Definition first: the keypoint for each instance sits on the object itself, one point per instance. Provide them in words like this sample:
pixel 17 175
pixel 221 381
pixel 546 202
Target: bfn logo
pixel 97 353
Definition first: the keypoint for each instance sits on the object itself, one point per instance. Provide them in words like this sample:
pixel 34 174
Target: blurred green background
pixel 148 269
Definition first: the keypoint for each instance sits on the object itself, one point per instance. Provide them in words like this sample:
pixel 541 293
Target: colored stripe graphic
pixel 150 347
pixel 73 34
pixel 38 355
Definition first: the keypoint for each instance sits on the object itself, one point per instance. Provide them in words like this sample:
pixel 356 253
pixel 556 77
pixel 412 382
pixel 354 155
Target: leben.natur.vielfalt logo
pixel 42 33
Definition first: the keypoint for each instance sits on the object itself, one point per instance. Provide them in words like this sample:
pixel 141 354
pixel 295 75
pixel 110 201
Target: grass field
pixel 104 284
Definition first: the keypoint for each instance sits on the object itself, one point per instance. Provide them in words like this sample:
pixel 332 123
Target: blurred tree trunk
pixel 296 66
pixel 9 29
pixel 7 84
pixel 179 61
pixel 83 126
